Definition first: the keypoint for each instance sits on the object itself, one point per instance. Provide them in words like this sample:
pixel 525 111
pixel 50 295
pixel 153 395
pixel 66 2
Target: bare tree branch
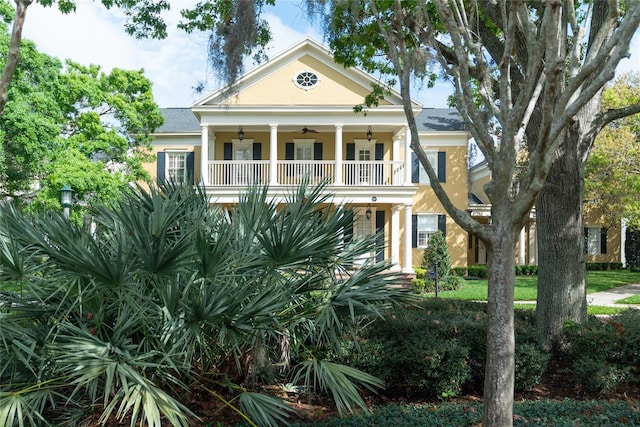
pixel 14 51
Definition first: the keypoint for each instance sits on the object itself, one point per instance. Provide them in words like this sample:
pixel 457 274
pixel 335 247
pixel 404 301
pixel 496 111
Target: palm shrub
pixel 169 297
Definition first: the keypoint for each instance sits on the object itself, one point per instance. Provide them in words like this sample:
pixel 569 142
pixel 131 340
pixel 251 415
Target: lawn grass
pixel 526 286
pixel 592 310
pixel 631 300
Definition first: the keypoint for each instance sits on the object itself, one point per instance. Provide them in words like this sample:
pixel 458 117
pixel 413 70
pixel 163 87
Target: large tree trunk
pixel 561 268
pixel 562 284
pixel 499 372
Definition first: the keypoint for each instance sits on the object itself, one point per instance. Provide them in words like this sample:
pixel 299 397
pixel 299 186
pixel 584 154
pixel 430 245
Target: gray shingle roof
pixel 178 120
pixel 439 119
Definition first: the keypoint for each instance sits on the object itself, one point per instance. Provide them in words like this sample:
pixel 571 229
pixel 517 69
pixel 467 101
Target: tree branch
pixel 14 51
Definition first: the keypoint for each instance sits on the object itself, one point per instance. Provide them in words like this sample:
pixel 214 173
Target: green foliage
pixel 437 254
pixel 459 271
pixel 605 355
pixel 479 271
pixel 603 266
pixel 437 349
pixel 612 184
pixel 632 249
pixel 557 413
pixel 167 299
pixel 526 270
pixel 73 125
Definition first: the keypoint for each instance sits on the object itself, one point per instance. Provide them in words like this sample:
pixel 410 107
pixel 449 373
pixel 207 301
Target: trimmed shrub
pixel 604 354
pixel 459 271
pixel 526 270
pixel 439 350
pixel 437 253
pixel 479 271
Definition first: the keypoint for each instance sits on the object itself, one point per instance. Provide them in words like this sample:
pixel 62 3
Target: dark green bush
pixel 526 270
pixel 437 254
pixel 479 271
pixel 604 353
pixel 459 271
pixel 451 283
pixel 602 266
pixel 439 350
pixel 632 249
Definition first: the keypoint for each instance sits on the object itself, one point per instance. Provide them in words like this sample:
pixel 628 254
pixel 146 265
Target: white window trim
pixel 167 169
pixel 422 243
pixel 295 79
pixel 594 243
pixel 432 155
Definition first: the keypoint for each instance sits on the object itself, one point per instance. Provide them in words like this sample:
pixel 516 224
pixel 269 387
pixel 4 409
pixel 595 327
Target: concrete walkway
pixel 609 298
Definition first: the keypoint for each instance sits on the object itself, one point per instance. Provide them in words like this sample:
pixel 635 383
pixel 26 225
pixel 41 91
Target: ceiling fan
pixel 305 130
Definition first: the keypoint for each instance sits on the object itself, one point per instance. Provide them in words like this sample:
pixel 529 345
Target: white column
pixel 623 238
pixel 521 246
pixel 395 237
pixel 273 155
pixel 533 244
pixel 397 179
pixel 338 160
pixel 204 154
pixel 407 265
pixel 407 156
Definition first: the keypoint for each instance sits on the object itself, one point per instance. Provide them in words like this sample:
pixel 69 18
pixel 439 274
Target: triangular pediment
pixel 303 75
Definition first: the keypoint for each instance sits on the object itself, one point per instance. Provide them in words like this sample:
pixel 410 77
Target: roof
pixel 439 119
pixel 178 120
pixel 182 120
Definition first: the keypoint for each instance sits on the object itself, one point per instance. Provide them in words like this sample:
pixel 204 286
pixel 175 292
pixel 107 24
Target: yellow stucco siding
pixel 279 88
pixel 426 201
pixel 594 218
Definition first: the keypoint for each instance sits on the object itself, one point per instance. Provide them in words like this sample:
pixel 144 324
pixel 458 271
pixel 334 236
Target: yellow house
pixel 604 242
pixel 292 118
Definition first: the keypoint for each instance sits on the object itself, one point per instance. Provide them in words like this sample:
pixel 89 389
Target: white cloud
pixel 94 35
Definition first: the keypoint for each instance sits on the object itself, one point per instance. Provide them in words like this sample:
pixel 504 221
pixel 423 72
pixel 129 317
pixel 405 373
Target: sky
pixel 177 64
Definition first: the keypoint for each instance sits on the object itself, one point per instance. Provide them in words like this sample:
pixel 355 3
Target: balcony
pixel 290 173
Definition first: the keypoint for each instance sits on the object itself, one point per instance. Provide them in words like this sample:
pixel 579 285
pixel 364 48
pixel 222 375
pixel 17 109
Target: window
pixel 304 151
pixel 595 240
pixel 306 79
pixel 427 226
pixel 177 167
pixel 433 159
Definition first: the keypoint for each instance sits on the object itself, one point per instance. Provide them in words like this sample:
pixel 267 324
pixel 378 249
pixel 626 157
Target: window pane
pixel 176 165
pixel 433 159
pixel 593 240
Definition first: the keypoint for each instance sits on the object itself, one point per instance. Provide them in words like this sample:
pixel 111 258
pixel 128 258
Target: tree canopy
pixel 72 124
pixel 612 183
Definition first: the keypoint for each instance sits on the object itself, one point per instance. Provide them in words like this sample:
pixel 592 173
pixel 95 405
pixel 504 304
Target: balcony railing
pixel 289 172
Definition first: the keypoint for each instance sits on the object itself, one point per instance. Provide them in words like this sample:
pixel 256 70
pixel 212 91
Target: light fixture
pixel 368 212
pixel 369 134
pixel 240 134
pixel 65 199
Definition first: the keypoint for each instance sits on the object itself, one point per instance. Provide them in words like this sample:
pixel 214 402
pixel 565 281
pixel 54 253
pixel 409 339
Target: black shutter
pixel 442 224
pixel 380 235
pixel 161 167
pixel 603 240
pixel 228 151
pixel 228 155
pixel 442 166
pixel 414 231
pixel 317 151
pixel 351 151
pixel 415 168
pixel 348 230
pixel 379 153
pixel 257 151
pixel 289 150
pixel 586 240
pixel 190 167
pixel 379 168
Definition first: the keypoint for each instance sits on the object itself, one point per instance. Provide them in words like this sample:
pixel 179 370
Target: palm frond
pixel 265 410
pixel 340 380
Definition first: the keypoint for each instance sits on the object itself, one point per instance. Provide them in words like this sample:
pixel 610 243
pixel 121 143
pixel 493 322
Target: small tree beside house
pixel 436 254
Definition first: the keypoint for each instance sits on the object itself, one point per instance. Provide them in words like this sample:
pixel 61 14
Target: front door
pixel 364 154
pixel 363 227
pixel 242 153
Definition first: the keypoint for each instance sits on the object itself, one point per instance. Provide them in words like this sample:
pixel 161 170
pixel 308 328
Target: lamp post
pixel 65 199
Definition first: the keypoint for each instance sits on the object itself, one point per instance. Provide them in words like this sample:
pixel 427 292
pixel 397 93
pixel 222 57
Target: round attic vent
pixel 306 79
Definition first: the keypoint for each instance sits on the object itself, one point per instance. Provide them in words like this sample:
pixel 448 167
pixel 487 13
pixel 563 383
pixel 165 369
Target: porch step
pixel 404 280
